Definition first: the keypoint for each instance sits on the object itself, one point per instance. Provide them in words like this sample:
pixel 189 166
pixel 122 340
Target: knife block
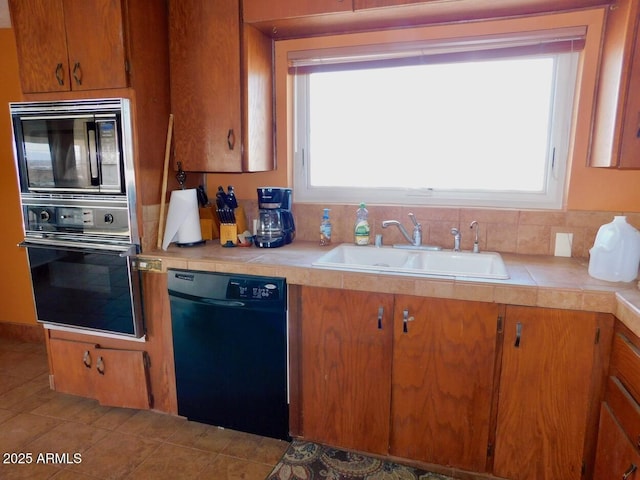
pixel 228 234
pixel 208 223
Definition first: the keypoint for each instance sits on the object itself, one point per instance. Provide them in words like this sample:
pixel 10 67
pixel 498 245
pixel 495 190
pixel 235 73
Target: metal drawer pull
pixel 380 315
pixel 59 74
pixel 405 320
pixel 100 366
pixel 518 335
pixel 86 359
pixel 632 468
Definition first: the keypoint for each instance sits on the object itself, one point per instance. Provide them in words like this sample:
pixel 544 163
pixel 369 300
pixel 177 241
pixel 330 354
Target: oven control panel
pixel 72 219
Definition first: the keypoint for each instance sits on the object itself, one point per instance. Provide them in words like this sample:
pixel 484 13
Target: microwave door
pixel 56 154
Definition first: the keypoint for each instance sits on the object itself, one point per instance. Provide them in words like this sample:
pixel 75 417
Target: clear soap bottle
pixel 361 229
pixel 325 229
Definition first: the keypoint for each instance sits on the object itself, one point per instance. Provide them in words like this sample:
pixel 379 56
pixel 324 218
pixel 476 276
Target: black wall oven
pixel 89 288
pixel 77 189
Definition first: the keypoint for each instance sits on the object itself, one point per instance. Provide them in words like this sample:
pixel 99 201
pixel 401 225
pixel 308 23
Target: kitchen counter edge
pixel 535 280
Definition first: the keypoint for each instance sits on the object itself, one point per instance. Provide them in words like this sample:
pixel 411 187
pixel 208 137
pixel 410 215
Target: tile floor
pixel 65 437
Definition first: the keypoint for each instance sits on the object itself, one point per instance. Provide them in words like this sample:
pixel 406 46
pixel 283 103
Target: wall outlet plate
pixel 564 242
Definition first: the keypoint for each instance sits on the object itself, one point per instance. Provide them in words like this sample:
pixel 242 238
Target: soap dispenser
pixel 325 229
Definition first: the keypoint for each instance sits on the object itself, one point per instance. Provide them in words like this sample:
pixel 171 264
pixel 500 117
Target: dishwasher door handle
pixel 207 301
pixel 222 303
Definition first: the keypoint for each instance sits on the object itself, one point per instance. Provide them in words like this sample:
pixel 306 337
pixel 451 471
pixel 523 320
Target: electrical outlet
pixel 564 241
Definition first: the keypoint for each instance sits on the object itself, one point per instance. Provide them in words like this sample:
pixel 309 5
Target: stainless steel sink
pixel 414 262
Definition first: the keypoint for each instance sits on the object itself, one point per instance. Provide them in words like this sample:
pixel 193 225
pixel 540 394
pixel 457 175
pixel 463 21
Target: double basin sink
pixel 414 262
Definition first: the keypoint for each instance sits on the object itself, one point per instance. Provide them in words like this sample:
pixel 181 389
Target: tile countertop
pixel 535 280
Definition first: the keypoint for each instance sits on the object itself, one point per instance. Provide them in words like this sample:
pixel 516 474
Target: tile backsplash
pixel 506 231
pixel 501 230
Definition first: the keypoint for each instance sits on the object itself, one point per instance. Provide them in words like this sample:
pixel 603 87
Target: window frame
pixel 558 158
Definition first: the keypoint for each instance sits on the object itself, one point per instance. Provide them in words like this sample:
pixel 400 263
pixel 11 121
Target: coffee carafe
pixel 275 221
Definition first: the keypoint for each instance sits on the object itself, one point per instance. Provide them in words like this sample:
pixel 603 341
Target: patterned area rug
pixel 310 461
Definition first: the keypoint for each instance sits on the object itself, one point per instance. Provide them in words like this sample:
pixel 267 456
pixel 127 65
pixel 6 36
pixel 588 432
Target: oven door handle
pixel 122 251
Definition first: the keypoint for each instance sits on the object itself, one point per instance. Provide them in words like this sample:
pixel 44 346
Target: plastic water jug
pixel 615 254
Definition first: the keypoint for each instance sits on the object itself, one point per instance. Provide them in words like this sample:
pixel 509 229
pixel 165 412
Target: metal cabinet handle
pixel 632 468
pixel 100 366
pixel 380 315
pixel 405 321
pixel 518 335
pixel 59 74
pixel 77 73
pixel 231 139
pixel 86 359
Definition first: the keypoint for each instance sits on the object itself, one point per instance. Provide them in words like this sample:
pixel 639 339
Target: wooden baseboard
pixel 22 332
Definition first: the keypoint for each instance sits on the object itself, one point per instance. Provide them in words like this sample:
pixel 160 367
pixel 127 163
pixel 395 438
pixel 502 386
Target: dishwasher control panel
pixel 251 289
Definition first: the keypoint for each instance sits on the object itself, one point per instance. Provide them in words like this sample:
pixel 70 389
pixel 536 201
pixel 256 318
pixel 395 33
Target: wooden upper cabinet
pixel 260 11
pixel 362 4
pixel 443 380
pixel 66 45
pixel 546 389
pixel 615 137
pixel 221 88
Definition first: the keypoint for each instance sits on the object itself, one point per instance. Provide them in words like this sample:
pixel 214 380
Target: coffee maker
pixel 275 221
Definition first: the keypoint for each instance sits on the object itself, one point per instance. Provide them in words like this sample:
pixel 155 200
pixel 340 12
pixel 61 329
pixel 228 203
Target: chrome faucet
pixel 416 239
pixel 456 239
pixel 476 243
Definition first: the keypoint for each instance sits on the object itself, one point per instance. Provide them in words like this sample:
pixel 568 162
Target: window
pixel 475 123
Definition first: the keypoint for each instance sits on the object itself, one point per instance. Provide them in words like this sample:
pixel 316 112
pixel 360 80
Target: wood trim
pixel 22 332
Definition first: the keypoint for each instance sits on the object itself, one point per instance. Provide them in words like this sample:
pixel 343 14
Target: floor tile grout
pixel 113 443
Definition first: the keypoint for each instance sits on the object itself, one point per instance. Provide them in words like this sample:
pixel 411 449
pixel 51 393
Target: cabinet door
pixel 41 43
pixel 69 45
pixel 630 146
pixel 616 123
pixel 259 10
pixel 95 42
pixel 73 366
pixel 442 380
pixel 122 378
pixel 616 457
pixel 346 368
pixel 115 377
pixel 544 397
pixel 206 84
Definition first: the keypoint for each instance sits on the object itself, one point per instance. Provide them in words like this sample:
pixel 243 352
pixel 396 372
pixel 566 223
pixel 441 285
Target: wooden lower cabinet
pixel 442 380
pixel 114 377
pixel 346 368
pixel 433 405
pixel 617 457
pixel 479 387
pixel 547 384
pixel 618 452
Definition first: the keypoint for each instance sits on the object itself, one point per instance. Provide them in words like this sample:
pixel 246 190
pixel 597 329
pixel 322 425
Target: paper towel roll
pixel 183 219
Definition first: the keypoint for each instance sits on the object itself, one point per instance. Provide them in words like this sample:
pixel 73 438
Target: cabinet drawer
pixel 625 364
pixel 616 458
pixel 625 409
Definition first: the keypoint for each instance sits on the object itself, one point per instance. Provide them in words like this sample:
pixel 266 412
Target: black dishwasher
pixel 230 348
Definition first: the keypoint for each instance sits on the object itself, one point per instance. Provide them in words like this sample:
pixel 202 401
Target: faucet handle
pixel 476 243
pixel 414 220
